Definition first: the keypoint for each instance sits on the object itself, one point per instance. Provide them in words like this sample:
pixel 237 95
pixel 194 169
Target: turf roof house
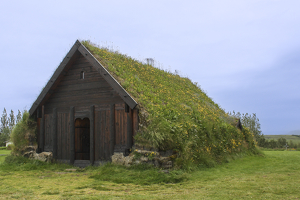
pixel 83 113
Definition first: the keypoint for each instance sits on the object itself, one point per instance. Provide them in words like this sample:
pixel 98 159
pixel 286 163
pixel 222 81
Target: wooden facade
pixel 83 113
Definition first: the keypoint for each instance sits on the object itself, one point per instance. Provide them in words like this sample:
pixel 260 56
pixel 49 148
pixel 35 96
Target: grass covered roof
pixel 174 112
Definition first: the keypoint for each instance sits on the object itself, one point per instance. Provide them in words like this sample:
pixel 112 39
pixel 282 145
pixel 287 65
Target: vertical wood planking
pixel 107 135
pixel 42 131
pixel 54 133
pixel 112 128
pixel 72 135
pixel 125 127
pixel 48 133
pixel 96 136
pixel 64 135
pixel 117 139
pixel 103 132
pixel 121 130
pixel 92 115
pixel 101 141
pixel 58 133
pixel 38 138
pixel 129 128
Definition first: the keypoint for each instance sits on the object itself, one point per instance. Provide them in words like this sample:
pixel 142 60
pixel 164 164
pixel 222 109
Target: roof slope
pixel 71 56
pixel 175 112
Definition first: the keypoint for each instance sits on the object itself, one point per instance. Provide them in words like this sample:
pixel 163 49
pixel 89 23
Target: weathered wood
pixel 135 122
pixel 129 129
pixel 54 133
pixel 112 129
pixel 67 60
pixel 126 108
pixel 72 135
pixel 63 134
pixel 58 135
pixel 62 71
pixel 108 77
pixel 107 135
pixel 107 125
pixel 42 131
pixel 48 133
pixel 82 139
pixel 39 112
pixel 92 150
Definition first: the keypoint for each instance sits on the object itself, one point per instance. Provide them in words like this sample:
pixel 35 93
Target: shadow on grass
pixel 138 174
pixel 19 163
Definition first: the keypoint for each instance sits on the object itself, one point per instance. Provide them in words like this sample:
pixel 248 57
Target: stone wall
pixel 161 159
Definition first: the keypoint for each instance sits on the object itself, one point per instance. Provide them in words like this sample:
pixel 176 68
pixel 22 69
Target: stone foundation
pixel 162 159
pixel 30 152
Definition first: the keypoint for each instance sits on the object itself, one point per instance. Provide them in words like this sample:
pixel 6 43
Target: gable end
pixel 71 56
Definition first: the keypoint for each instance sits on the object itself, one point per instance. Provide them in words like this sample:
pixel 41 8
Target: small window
pixel 82 75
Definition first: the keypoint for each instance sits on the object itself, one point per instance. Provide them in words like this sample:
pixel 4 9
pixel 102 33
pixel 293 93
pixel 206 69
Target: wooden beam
pixel 112 129
pixel 107 76
pixel 42 130
pixel 72 135
pixel 92 127
pixel 54 133
pixel 129 129
pixel 39 112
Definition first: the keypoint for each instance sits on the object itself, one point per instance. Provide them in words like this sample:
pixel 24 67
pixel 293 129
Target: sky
pixel 244 54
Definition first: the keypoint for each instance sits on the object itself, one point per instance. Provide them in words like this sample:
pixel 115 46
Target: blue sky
pixel 244 54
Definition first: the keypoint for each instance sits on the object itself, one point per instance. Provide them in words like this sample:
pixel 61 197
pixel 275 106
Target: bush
pixel 10 147
pixel 23 134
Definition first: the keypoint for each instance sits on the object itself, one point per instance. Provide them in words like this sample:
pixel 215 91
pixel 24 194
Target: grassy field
pixel 3 153
pixel 294 138
pixel 273 176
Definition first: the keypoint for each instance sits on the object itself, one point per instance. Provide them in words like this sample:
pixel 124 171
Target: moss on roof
pixel 175 113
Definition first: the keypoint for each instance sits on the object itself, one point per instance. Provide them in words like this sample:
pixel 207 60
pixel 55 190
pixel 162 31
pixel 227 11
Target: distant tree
pixel 262 142
pixel 19 117
pixel 11 120
pixel 4 120
pixel 281 142
pixel 251 122
pixel 273 144
pixel 4 129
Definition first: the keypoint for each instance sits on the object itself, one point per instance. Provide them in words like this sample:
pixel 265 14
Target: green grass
pixel 175 114
pixel 294 138
pixel 273 176
pixel 3 154
pixel 138 175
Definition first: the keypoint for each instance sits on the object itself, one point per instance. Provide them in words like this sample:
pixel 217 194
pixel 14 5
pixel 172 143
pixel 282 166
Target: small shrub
pixel 23 134
pixel 10 147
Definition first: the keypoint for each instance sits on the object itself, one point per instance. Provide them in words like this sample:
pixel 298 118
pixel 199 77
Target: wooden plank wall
pixel 73 91
pixel 102 133
pixel 63 136
pixel 38 139
pixel 48 134
pixel 120 125
pixel 80 94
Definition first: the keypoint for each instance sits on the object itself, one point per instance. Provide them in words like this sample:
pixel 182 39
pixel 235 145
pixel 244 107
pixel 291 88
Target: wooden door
pixel 82 139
